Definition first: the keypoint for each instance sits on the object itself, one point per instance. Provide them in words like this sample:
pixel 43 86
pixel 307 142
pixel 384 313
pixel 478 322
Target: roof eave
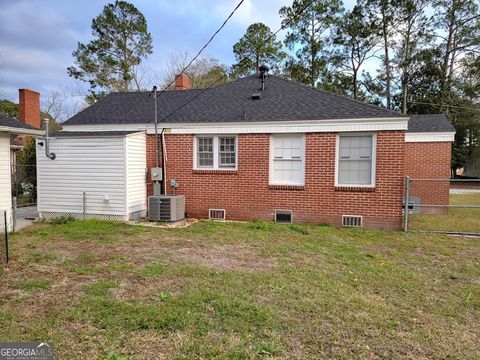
pixel 21 131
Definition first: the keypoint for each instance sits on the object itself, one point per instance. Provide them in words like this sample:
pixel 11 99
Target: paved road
pixel 25 215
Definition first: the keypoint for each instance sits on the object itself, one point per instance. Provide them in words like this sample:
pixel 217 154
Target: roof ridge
pixel 339 96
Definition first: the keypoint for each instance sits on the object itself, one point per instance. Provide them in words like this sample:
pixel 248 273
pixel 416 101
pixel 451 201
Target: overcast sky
pixel 37 37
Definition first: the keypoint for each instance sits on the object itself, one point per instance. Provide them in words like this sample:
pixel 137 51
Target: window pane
pixel 288 158
pixel 355 160
pixel 227 152
pixel 205 152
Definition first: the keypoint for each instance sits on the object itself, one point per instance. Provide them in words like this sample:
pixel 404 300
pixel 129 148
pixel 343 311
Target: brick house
pixel 256 150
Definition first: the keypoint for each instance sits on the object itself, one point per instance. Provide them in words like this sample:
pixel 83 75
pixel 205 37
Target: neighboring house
pixel 28 113
pixel 9 126
pixel 252 152
pixel 472 165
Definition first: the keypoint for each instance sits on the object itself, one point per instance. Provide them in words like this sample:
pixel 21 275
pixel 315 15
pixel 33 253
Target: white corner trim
pixel 429 137
pixel 258 127
pixel 374 162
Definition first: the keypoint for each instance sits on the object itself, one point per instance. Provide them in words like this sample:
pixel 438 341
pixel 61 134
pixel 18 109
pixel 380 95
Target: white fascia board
pixel 333 125
pixel 429 137
pixel 16 130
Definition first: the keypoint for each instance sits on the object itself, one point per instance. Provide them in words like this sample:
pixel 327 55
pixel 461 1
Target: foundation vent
pixel 216 214
pixel 352 220
pixel 283 216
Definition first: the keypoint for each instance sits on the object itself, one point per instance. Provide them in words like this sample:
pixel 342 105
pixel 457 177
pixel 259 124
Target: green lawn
pixel 241 290
pixel 457 219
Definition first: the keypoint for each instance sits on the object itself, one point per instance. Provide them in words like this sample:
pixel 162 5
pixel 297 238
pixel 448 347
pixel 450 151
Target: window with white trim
pixel 355 160
pixel 287 159
pixel 215 152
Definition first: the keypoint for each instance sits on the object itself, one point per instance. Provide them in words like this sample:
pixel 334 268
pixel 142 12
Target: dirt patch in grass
pixel 225 257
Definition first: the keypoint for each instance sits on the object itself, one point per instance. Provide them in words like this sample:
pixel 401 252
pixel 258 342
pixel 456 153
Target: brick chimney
pixel 29 108
pixel 182 82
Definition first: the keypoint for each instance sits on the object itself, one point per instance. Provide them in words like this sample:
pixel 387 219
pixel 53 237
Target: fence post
pixel 6 234
pixel 84 205
pixel 14 214
pixel 407 202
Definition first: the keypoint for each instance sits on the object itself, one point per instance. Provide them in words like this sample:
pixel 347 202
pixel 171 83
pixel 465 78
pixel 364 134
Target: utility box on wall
pixel 95 174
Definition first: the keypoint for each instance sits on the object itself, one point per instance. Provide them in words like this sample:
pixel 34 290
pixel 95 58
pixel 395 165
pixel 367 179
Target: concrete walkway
pixel 25 216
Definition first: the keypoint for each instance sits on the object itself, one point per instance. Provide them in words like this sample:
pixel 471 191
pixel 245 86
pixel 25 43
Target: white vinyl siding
pixel 215 152
pixel 5 185
pixel 287 159
pixel 355 160
pixel 105 168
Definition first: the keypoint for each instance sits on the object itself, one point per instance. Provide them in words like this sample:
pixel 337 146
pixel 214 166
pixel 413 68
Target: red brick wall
pixel 429 160
pixel 246 195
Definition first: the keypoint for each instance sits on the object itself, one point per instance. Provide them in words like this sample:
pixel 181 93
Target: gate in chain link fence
pixel 24 184
pixel 443 205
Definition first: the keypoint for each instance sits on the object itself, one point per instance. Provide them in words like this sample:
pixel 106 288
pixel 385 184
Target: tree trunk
pixel 312 53
pixel 448 50
pixel 405 77
pixel 387 57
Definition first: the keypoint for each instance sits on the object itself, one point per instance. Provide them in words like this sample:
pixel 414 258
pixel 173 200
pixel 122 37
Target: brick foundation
pixel 246 194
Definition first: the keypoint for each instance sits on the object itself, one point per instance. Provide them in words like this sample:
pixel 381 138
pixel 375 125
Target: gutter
pixel 22 131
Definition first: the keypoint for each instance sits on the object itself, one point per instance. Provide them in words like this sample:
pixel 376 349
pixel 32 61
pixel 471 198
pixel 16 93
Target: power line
pixel 245 58
pixel 440 105
pixel 203 47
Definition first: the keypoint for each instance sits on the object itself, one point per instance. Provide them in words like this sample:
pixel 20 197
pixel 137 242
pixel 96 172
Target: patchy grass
pixel 32 285
pixel 241 290
pixel 457 219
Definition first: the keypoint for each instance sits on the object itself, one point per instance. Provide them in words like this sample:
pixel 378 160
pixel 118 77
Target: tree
pixel 413 32
pixel 121 41
pixel 309 24
pixel 355 38
pixel 202 73
pixel 460 20
pixel 257 47
pixel 383 13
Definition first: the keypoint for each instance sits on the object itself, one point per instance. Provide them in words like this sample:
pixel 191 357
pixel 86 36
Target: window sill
pixel 287 187
pixel 215 171
pixel 354 188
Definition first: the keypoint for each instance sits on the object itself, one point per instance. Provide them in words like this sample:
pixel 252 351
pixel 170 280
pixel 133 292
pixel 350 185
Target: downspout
pixel 48 154
pixel 164 161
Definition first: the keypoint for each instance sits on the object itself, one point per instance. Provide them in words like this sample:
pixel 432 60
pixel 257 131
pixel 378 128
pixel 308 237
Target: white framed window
pixel 287 159
pixel 355 160
pixel 215 152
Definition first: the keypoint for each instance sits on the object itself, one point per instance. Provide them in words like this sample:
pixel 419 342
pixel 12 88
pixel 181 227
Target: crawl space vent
pixel 216 214
pixel 283 216
pixel 352 221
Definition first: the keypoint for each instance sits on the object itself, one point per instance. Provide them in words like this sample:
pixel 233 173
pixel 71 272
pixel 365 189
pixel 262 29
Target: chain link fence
pixel 443 205
pixel 24 184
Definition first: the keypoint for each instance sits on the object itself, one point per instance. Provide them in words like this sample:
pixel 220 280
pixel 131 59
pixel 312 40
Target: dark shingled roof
pixel 429 123
pixel 91 133
pixel 14 123
pixel 282 100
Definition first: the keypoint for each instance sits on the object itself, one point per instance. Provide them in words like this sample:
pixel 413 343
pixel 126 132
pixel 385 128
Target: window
pixel 205 152
pixel 215 152
pixel 227 152
pixel 287 159
pixel 355 160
